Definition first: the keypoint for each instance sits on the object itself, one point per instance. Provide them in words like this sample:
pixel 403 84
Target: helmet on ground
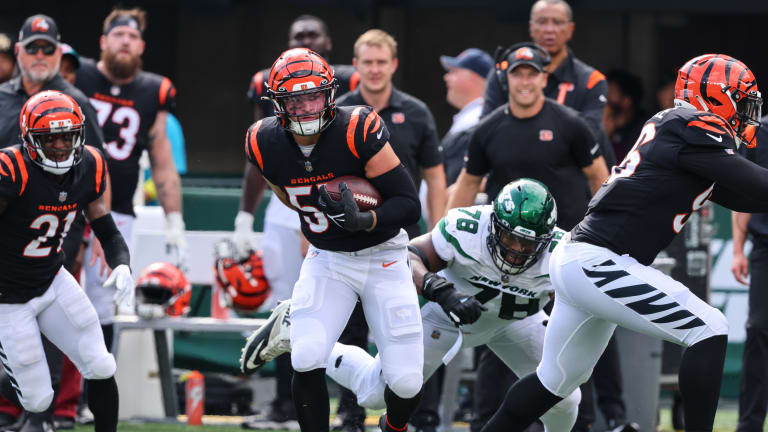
pixel 162 290
pixel 242 280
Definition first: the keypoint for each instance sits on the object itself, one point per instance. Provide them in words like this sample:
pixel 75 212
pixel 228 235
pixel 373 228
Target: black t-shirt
pixel 551 147
pixel 682 159
pixel 346 75
pixel 126 114
pixel 354 136
pixel 39 215
pixel 574 84
pixel 412 130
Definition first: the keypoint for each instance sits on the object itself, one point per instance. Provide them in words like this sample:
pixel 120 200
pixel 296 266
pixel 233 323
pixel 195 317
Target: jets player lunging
pixel 491 286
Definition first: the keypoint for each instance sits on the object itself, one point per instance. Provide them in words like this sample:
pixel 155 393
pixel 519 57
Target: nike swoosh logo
pixel 718 138
pixel 250 363
pixel 594 149
pixel 387 264
pixel 378 135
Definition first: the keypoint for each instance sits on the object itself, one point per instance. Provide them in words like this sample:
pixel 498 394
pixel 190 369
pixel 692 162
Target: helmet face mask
pixel 47 118
pixel 296 79
pixel 306 111
pixel 244 286
pixel 722 85
pixel 522 224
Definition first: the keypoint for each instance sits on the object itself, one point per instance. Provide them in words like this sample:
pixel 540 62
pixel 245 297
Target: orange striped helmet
pixel 302 87
pixel 46 116
pixel 162 290
pixel 244 285
pixel 722 85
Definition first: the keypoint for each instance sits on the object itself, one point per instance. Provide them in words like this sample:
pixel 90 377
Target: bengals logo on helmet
pixel 524 53
pixel 724 86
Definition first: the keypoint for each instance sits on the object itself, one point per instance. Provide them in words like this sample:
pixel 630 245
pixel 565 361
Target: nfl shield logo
pixel 398 118
pixel 62 196
pixel 545 135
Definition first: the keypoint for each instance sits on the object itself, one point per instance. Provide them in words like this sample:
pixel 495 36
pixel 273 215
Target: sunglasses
pixel 48 49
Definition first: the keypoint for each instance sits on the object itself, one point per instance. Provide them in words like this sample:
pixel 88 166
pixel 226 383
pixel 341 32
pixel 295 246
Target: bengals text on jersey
pixel 126 114
pixel 38 216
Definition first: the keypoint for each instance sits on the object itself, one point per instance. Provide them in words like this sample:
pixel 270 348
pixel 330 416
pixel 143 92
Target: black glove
pixel 344 213
pixel 461 308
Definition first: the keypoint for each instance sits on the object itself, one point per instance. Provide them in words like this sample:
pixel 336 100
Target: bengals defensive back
pixel 44 183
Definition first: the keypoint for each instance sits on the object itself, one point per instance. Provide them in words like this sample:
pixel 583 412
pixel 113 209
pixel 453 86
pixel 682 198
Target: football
pixel 366 196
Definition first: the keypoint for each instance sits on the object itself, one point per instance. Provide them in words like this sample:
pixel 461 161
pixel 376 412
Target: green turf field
pixel 724 422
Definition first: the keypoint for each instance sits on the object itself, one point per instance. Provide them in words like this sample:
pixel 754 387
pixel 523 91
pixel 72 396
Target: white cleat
pixel 269 341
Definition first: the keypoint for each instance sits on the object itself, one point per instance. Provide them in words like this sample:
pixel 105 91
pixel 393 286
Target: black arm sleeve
pixel 739 184
pixel 401 206
pixel 115 249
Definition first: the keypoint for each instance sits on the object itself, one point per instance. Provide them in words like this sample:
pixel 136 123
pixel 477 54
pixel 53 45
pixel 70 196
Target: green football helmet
pixel 522 223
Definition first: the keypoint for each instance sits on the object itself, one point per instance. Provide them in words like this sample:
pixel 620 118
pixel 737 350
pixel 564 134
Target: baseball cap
pixel 39 27
pixel 67 50
pixel 6 44
pixel 474 59
pixel 528 56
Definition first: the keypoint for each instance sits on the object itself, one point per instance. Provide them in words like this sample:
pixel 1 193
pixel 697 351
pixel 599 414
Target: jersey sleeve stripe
pixel 252 144
pixel 4 157
pixel 453 241
pixel 706 126
pixel 165 85
pixel 595 78
pixel 22 169
pixel 368 121
pixel 99 166
pixel 351 131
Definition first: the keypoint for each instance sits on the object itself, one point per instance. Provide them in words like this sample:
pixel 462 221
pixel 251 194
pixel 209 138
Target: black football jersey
pixel 126 113
pixel 39 214
pixel 355 135
pixel 648 199
pixel 346 75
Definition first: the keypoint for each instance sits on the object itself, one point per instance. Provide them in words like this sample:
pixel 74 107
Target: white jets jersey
pixel 460 239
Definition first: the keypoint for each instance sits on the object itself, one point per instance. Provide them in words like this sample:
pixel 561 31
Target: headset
pixel 501 57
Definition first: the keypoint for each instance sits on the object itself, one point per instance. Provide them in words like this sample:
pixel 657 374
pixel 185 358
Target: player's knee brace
pixel 100 368
pixel 36 401
pixel 306 356
pixel 407 386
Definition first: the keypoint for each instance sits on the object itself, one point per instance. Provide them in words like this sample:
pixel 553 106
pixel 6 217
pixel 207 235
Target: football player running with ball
pixel 353 254
pixel 44 183
pixel 683 157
